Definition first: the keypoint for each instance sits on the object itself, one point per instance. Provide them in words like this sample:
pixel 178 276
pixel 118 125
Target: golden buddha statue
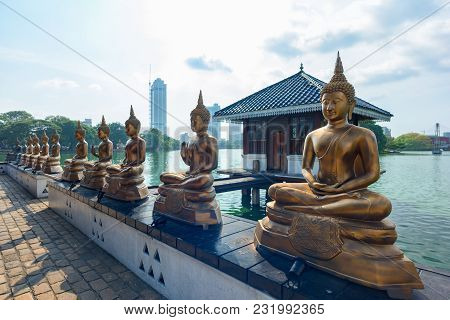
pixel 22 161
pixel 125 181
pixel 333 221
pixel 95 171
pixel 43 154
pixel 36 149
pixel 73 168
pixel 52 164
pixel 190 196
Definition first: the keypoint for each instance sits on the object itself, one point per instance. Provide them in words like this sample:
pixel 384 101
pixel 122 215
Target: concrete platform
pixel 185 262
pixel 35 183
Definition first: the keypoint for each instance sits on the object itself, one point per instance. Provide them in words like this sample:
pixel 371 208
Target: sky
pixel 228 49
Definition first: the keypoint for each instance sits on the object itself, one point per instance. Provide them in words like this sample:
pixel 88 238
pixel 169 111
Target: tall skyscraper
pixel 214 125
pixel 158 105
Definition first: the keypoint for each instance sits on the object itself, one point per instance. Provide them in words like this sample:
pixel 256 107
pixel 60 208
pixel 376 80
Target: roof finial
pixel 301 67
pixel 338 68
pixel 200 99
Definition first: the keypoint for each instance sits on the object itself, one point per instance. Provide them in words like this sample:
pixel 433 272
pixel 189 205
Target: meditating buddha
pixel 11 156
pixel 190 196
pixel 125 181
pixel 36 149
pixel 52 164
pixel 95 171
pixel 22 161
pixel 73 168
pixel 43 154
pixel 333 221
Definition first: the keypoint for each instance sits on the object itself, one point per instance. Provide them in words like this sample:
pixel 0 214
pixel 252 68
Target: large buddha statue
pixel 333 221
pixel 36 149
pixel 52 164
pixel 190 196
pixel 73 168
pixel 95 171
pixel 125 181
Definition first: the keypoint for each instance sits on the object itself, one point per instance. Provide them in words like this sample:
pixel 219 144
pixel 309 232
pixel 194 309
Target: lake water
pixel 417 183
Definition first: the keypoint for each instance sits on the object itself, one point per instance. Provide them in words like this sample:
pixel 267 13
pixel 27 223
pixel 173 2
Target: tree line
pixel 20 124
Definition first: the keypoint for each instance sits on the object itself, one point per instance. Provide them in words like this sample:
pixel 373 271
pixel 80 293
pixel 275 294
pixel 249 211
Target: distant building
pixel 184 137
pixel 446 134
pixel 214 125
pixel 278 118
pixel 387 132
pixel 158 105
pixel 234 132
pixel 87 122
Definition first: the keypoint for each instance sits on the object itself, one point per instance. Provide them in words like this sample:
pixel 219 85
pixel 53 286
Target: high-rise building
pixel 386 131
pixel 158 105
pixel 214 125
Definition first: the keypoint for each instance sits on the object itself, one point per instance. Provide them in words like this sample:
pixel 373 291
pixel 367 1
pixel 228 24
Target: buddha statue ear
pixel 350 110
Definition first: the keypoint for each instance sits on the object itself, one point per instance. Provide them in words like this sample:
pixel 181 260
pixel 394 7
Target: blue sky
pixel 228 49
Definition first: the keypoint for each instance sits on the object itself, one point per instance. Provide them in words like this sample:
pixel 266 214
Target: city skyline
pixel 40 75
pixel 158 105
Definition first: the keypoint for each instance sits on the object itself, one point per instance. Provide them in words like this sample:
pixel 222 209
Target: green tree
pixel 411 142
pixel 378 131
pixel 13 116
pixel 117 133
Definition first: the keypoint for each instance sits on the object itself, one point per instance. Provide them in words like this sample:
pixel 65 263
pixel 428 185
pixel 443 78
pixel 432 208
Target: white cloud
pixel 95 87
pixel 57 83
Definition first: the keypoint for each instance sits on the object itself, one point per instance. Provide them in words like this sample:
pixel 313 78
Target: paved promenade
pixel 44 257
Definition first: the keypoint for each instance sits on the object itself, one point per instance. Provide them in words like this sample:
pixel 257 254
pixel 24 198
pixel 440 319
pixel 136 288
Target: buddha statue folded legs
pixel 95 171
pixel 73 168
pixel 333 221
pixel 190 197
pixel 125 181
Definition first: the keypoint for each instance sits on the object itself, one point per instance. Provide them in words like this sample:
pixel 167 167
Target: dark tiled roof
pixel 298 93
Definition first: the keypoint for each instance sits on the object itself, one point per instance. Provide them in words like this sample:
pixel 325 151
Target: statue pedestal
pixel 52 165
pixel 40 163
pixel 125 189
pixel 73 170
pixel 360 251
pixel 198 208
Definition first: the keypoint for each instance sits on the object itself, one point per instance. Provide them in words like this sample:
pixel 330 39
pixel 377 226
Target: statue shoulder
pixel 364 133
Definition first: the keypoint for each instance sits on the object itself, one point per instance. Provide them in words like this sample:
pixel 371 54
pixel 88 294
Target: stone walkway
pixel 44 257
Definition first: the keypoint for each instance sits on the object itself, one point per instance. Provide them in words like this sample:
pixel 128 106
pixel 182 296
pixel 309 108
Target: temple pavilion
pixel 277 119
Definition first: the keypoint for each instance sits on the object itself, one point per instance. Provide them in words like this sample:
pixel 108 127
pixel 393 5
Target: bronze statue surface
pixel 333 221
pixel 43 153
pixel 27 157
pixel 190 196
pixel 73 168
pixel 125 181
pixel 52 164
pixel 95 171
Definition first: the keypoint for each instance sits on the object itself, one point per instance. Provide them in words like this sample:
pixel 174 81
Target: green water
pixel 417 183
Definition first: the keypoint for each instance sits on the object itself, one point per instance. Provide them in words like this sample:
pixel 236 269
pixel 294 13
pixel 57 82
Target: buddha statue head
pixel 44 138
pixel 132 125
pixel 35 139
pixel 338 96
pixel 200 116
pixel 103 129
pixel 55 137
pixel 80 133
